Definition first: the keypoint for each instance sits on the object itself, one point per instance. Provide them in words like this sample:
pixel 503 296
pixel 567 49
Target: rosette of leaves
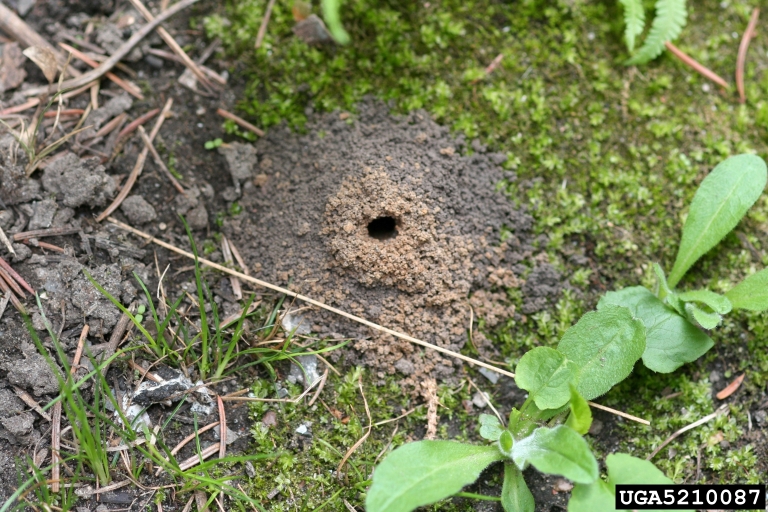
pixel 676 321
pixel 545 432
pixel 669 21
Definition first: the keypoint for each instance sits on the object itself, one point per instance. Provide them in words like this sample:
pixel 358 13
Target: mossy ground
pixel 607 159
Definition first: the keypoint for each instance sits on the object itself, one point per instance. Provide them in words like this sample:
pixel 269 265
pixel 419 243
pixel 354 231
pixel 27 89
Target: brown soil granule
pixel 383 217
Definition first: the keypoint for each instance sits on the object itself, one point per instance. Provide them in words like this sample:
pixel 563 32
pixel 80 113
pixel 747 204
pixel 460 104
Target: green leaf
pixel 545 373
pixel 604 344
pixel 332 17
pixel 670 339
pixel 506 441
pixel 721 201
pixel 718 303
pixel 622 469
pixel 634 21
pixel 593 497
pixel 490 427
pixel 751 293
pixel 515 495
pixel 557 451
pixel 665 293
pixel 580 418
pixel 424 472
pixel 667 25
pixel 705 319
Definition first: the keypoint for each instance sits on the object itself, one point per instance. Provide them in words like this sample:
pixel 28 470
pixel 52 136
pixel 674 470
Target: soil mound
pixel 384 217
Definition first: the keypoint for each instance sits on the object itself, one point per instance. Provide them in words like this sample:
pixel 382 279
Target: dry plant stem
pixel 146 374
pixel 195 459
pixel 27 399
pixel 128 87
pixel 41 233
pixel 110 126
pixel 51 247
pixel 4 264
pixel 691 63
pixel 170 56
pixel 487 400
pixel 319 388
pixel 723 409
pixel 742 57
pixel 55 446
pixel 6 242
pixel 222 428
pixel 240 121
pixel 12 284
pixel 138 122
pixel 138 167
pixel 171 42
pixel 191 436
pixel 264 23
pixel 14 299
pixel 121 52
pixel 339 312
pixel 23 33
pixel 226 251
pixel 159 161
pixel 67 112
pixel 116 336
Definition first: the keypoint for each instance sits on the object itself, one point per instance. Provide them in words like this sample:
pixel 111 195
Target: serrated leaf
pixel 515 495
pixel 751 293
pixel 623 469
pixel 705 319
pixel 490 427
pixel 722 199
pixel 580 418
pixel 634 21
pixel 604 345
pixel 424 472
pixel 545 373
pixel 557 451
pixel 718 303
pixel 666 26
pixel 670 339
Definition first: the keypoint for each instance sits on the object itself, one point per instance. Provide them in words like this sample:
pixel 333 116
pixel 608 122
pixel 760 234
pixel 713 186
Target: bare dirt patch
pixel 392 219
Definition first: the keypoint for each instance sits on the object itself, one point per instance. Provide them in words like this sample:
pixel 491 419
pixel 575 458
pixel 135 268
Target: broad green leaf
pixel 722 199
pixel 718 303
pixel 515 495
pixel 622 469
pixel 424 472
pixel 490 427
pixel 604 344
pixel 545 373
pixel 557 451
pixel 751 293
pixel 705 319
pixel 580 418
pixel 593 497
pixel 670 339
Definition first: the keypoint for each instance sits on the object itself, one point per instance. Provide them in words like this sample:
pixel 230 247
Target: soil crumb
pixel 395 220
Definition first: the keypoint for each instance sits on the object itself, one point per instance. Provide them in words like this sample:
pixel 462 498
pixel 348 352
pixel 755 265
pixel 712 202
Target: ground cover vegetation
pixel 606 156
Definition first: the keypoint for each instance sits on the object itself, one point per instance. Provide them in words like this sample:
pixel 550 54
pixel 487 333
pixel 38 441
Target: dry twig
pixel 119 54
pixel 159 161
pixel 222 428
pixel 138 167
pixel 171 42
pixel 722 410
pixel 128 87
pixel 240 121
pixel 339 312
pixel 693 64
pixel 742 57
pixel 4 264
pixel 365 436
pixel 264 22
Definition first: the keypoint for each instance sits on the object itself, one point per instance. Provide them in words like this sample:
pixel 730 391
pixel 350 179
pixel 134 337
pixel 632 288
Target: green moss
pixel 607 159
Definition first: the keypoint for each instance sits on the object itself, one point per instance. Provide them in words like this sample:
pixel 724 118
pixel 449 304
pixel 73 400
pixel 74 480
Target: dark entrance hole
pixel 382 228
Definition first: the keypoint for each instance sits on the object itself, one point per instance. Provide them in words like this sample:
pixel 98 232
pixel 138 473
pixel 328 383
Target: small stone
pixel 249 469
pixel 490 375
pixel 302 429
pixel 563 485
pixel 232 436
pixel 63 215
pixel 138 210
pixel 404 366
pixel 22 252
pixel 197 217
pixel 304 370
pixel 596 427
pixel 162 226
pixel 154 62
pixel 479 400
pixel 269 419
pixel 715 376
pixel 761 418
